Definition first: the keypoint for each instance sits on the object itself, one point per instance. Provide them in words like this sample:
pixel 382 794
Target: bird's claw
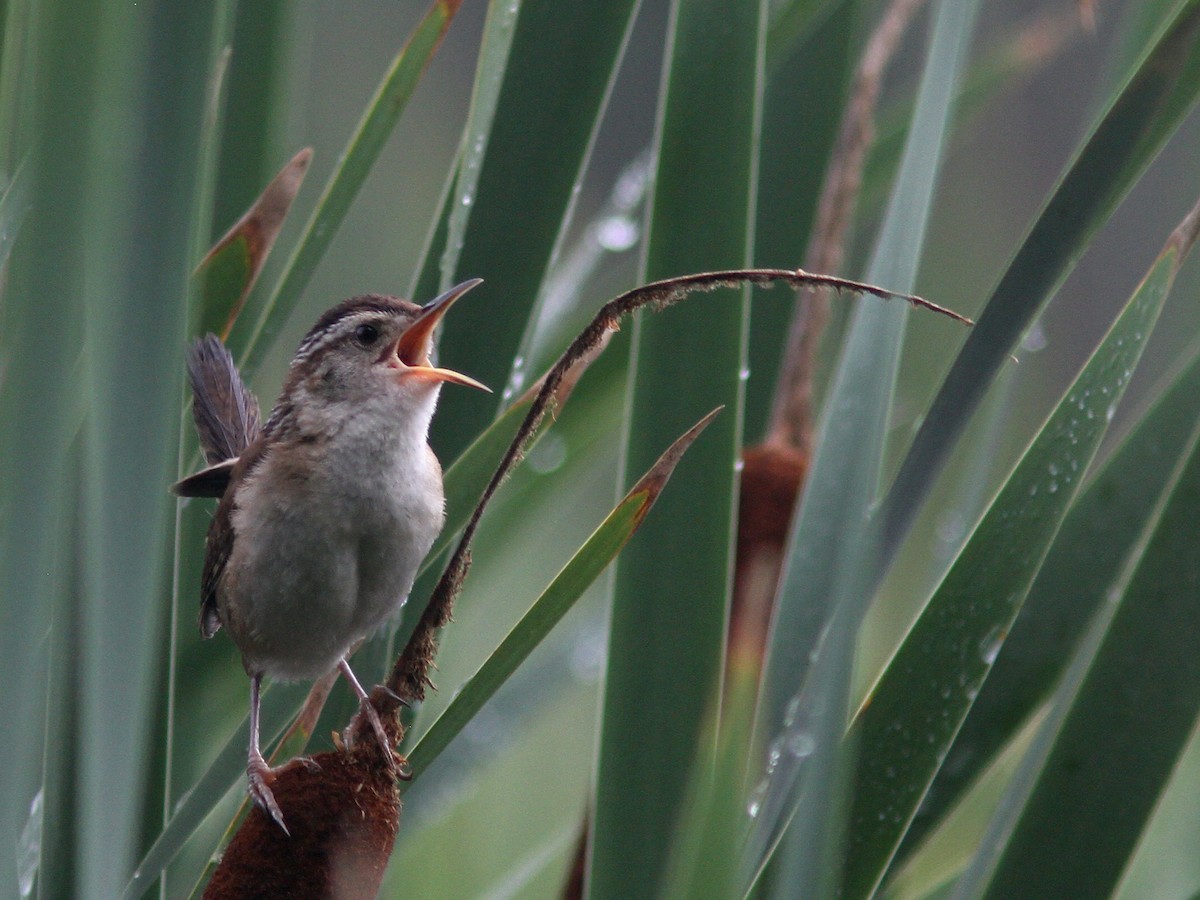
pixel 387 690
pixel 259 777
pixel 399 763
pixel 403 767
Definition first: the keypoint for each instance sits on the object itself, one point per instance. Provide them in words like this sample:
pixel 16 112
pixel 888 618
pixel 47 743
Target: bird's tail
pixel 226 413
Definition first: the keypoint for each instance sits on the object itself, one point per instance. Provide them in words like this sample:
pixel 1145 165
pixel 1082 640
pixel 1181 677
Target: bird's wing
pixel 221 535
pixel 218 548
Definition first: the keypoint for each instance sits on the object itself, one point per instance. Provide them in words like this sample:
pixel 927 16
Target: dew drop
pixel 617 233
pixel 989 647
pixel 800 744
pixel 790 712
pixel 29 847
pixel 548 454
pixel 1035 339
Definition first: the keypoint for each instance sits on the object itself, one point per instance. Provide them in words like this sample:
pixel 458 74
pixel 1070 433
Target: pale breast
pixel 326 549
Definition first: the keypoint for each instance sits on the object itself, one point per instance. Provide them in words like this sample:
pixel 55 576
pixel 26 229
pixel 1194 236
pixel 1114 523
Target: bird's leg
pixel 389 751
pixel 258 773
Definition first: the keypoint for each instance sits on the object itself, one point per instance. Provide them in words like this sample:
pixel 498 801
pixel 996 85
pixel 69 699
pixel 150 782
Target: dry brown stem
pixel 410 675
pixel 792 413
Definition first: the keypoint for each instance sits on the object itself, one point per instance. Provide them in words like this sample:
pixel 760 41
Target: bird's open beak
pixel 413 347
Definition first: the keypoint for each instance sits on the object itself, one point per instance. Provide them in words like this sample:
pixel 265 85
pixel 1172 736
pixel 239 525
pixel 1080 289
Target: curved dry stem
pixel 410 674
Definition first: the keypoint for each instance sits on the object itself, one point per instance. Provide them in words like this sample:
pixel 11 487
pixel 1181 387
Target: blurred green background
pixel 117 183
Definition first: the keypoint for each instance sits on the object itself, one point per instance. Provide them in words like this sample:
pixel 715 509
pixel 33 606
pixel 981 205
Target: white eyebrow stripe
pixel 337 330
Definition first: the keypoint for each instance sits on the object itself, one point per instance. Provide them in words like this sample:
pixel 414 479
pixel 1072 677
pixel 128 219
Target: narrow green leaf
pixel 913 714
pixel 802 109
pixel 14 204
pixel 137 256
pixel 554 83
pixel 829 553
pixel 1111 510
pixel 704 860
pixel 498 32
pixel 568 586
pixel 1125 139
pixel 947 852
pixel 669 610
pixel 258 97
pixel 982 865
pixel 41 406
pixel 470 473
pixel 792 21
pixel 364 147
pixel 1126 725
pixel 229 270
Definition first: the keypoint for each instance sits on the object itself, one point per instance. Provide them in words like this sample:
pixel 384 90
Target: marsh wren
pixel 328 509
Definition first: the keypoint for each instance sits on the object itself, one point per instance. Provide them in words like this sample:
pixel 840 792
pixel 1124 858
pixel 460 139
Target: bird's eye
pixel 366 334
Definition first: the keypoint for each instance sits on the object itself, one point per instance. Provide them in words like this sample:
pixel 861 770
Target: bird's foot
pixel 399 763
pixel 260 777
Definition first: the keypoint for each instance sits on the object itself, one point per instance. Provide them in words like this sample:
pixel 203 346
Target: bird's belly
pixel 322 577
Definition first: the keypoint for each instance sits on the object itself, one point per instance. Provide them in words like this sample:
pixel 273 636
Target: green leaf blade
pixel 1127 719
pixel 911 717
pixel 1124 141
pixel 830 550
pixel 363 149
pixel 568 586
pixel 556 77
pixel 1086 556
pixel 671 595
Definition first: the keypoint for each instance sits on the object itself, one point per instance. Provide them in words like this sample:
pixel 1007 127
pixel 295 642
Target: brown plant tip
pixel 259 227
pixel 1184 235
pixel 771 480
pixel 652 483
pixel 772 476
pixel 343 820
pixel 261 223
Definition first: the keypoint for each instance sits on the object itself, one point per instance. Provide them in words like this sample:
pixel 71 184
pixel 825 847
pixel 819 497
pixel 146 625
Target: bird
pixel 327 510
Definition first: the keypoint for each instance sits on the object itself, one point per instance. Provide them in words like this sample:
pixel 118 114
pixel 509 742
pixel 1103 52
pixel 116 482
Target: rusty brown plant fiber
pixel 343 811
